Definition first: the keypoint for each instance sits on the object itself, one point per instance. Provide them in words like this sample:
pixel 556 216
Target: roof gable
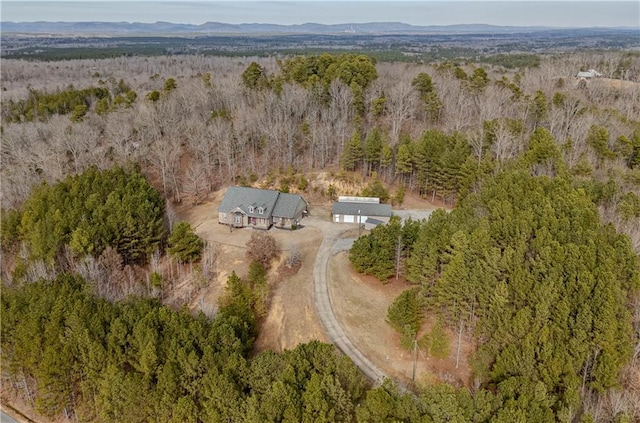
pixel 289 205
pixel 251 200
pixel 244 198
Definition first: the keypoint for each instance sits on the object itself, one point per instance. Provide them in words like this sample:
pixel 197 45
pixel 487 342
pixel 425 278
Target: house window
pixel 238 219
pixel 250 209
pixel 260 210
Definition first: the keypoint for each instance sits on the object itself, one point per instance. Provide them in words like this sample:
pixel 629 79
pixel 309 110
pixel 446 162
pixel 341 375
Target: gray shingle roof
pixel 365 209
pixel 274 203
pixel 288 205
pixel 374 222
pixel 244 197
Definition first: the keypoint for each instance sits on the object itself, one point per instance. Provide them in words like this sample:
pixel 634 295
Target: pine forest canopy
pixel 526 266
pixel 89 212
pixel 137 360
pixel 545 286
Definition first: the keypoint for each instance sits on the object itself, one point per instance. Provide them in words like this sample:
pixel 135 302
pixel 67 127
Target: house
pixel 261 208
pixel 289 210
pixel 363 210
pixel 591 73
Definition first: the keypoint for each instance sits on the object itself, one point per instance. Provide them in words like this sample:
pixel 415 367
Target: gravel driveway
pixel 331 244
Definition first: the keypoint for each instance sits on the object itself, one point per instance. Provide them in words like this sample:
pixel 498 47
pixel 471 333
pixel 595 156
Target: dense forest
pixel 536 265
pixel 527 271
pixel 137 360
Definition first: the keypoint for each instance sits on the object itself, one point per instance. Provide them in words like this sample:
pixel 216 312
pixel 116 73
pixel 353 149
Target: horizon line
pixel 318 23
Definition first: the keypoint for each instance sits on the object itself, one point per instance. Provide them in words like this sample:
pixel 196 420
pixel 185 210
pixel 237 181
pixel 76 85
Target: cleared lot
pixel 358 302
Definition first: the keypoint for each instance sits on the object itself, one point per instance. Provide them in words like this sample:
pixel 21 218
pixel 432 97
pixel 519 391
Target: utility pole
pixel 415 359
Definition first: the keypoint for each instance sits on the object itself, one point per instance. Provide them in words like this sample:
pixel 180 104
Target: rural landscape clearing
pixel 422 212
pixel 320 283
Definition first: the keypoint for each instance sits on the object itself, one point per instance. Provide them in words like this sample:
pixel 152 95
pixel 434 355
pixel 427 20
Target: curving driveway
pixel 5 418
pixel 330 234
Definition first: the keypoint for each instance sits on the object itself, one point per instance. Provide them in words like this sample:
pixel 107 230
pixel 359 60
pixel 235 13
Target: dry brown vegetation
pixel 361 304
pixel 190 152
pixel 197 139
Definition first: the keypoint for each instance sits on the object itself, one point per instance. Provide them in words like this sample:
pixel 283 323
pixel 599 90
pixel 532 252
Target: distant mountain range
pixel 129 28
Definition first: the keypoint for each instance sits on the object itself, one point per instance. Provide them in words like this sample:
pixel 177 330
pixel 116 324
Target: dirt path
pixel 323 304
pixel 291 318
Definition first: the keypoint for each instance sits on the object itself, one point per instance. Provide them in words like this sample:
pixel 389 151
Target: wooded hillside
pixel 537 264
pixel 194 123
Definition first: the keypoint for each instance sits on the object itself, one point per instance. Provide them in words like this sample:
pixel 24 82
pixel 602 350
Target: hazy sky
pixel 425 12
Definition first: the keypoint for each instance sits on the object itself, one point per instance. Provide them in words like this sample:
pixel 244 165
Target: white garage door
pixel 348 218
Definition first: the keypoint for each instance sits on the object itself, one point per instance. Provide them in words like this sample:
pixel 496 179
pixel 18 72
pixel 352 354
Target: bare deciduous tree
pixel 506 145
pixel 294 255
pixel 400 106
pixel 194 185
pixel 172 217
pixel 209 262
pixel 262 248
pixel 339 112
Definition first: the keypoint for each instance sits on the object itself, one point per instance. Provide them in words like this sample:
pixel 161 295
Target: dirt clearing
pixel 359 302
pixel 291 316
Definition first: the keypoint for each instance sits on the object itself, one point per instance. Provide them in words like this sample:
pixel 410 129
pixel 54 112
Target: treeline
pixel 80 53
pixel 421 126
pixel 71 354
pixel 41 105
pixel 435 165
pixel 111 227
pixel 381 252
pixel 525 269
pixel 545 289
pixel 512 61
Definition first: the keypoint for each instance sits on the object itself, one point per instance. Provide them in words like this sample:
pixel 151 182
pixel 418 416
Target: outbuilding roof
pixel 591 73
pixel 362 209
pixel 374 222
